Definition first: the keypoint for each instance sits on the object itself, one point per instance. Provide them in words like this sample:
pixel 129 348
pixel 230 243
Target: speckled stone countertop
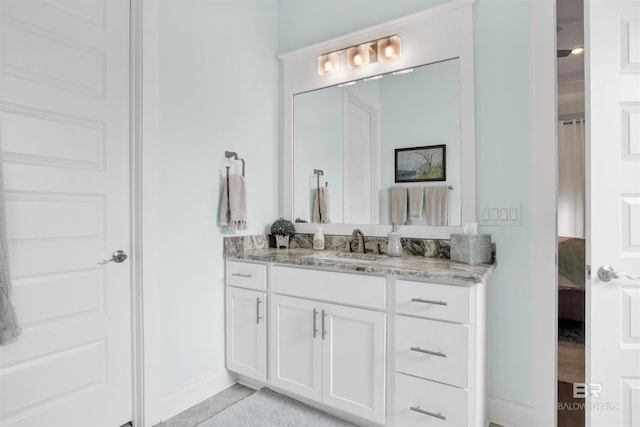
pixel 420 267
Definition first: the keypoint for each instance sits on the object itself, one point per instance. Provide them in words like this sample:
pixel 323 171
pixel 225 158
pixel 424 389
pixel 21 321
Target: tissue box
pixel 471 248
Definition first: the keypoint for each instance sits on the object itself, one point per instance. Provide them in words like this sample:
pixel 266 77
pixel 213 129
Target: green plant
pixel 283 227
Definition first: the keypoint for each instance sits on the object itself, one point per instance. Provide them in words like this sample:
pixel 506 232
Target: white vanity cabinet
pixel 329 351
pixel 246 305
pixel 390 350
pixel 439 358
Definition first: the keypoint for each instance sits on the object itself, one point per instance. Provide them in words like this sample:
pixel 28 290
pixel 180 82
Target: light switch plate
pixel 500 213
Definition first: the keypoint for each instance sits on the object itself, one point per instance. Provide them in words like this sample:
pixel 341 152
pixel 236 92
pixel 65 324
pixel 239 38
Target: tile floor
pixel 203 410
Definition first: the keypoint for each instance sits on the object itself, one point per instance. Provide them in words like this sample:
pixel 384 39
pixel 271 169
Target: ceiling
pixel 570 21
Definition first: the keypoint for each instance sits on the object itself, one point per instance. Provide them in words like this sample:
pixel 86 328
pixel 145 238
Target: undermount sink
pixel 347 256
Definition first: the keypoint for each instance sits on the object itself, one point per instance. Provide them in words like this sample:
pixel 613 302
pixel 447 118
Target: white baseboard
pixel 173 403
pixel 510 414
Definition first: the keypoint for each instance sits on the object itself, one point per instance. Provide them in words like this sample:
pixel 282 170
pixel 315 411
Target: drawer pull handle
pixel 431 414
pixel 324 331
pixel 433 353
pixel 246 276
pixel 315 327
pixel 428 301
pixel 258 317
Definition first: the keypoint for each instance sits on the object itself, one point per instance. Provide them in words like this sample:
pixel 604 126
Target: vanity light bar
pixel 359 56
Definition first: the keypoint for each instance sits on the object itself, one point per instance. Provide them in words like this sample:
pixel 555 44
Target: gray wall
pixel 218 91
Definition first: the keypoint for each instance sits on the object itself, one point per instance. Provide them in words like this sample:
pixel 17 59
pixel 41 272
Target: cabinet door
pixel 247 333
pixel 354 361
pixel 295 352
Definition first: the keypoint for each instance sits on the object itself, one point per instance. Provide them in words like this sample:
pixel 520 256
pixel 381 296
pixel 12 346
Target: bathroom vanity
pixel 377 340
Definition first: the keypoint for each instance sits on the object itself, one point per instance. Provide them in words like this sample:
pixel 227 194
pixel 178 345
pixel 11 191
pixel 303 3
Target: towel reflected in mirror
pixel 321 210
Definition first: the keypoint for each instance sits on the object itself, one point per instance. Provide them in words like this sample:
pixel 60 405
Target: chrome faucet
pixel 357 233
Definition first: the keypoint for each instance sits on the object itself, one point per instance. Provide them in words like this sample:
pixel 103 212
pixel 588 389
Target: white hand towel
pixel 233 206
pixel 437 204
pixel 398 205
pixel 321 211
pixel 415 202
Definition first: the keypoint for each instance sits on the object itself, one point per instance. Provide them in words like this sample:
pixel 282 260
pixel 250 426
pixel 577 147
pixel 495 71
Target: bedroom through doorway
pixel 571 210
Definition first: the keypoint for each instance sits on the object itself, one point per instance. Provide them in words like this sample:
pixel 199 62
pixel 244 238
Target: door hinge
pixel 588 271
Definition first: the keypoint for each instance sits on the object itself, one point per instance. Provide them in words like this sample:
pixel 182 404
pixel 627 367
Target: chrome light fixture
pixel 359 56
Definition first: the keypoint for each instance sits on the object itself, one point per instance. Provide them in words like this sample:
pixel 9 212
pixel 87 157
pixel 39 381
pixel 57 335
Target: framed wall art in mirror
pixel 421 164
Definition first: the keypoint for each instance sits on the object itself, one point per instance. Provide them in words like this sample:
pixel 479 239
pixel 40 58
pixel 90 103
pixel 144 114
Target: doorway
pixel 571 195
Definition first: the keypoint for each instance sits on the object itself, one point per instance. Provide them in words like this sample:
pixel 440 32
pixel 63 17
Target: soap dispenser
pixel 394 244
pixel 318 239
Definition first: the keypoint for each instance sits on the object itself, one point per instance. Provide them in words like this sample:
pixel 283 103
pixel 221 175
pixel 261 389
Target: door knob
pixel 606 273
pixel 118 257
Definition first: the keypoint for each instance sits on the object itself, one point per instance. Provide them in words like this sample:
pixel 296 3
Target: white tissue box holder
pixel 471 248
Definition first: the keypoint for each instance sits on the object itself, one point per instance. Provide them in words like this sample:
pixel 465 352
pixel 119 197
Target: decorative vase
pixel 282 241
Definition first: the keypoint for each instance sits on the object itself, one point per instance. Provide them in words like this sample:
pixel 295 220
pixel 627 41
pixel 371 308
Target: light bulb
pixel 328 63
pixel 389 47
pixel 358 56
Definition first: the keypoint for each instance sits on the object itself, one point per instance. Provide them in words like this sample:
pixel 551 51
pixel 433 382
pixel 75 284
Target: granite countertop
pixel 420 267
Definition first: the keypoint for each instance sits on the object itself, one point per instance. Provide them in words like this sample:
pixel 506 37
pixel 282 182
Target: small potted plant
pixel 282 229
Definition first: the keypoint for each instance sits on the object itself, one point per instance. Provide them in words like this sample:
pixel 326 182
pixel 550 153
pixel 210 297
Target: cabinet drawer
pixel 247 275
pixel 352 289
pixel 442 405
pixel 418 339
pixel 445 302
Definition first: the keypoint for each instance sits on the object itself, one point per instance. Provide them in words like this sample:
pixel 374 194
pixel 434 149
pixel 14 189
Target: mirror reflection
pixel 369 152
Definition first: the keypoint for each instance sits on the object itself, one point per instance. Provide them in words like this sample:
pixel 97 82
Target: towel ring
pixel 231 154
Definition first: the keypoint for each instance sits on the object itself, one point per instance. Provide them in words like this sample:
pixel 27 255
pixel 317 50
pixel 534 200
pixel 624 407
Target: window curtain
pixel 9 328
pixel 571 179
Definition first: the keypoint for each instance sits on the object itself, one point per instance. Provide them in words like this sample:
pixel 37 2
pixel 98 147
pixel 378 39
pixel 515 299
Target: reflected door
pixel 361 159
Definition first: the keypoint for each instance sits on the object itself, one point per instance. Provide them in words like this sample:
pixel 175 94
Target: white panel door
pixel 361 164
pixel 354 360
pixel 613 230
pixel 247 333
pixel 295 347
pixel 64 130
